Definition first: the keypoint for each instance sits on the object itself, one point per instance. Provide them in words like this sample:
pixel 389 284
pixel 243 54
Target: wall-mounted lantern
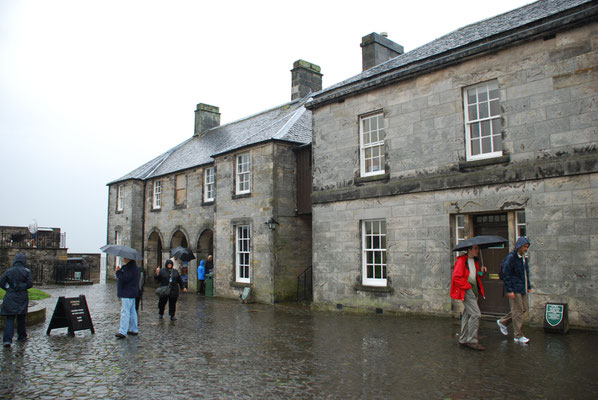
pixel 272 223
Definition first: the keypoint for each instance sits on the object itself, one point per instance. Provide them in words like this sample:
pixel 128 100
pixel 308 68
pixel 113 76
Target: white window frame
pixel 460 228
pixel 368 146
pixel 209 180
pixel 243 253
pixel 520 223
pixel 243 174
pixel 119 198
pixel 157 203
pixel 484 112
pixel 118 241
pixel 373 241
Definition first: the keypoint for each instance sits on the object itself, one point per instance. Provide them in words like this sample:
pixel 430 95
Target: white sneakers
pixel 503 328
pixel 505 331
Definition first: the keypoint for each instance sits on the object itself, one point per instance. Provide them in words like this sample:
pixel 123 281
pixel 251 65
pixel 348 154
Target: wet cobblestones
pixel 220 349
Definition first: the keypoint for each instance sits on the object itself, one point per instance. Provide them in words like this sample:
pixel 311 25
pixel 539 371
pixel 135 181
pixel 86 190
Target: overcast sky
pixel 90 90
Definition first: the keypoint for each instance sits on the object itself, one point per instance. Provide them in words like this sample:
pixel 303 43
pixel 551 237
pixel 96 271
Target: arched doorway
pixel 154 253
pixel 205 245
pixel 180 239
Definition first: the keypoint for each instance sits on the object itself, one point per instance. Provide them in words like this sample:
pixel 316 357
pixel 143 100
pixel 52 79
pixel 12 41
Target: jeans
pixel 128 316
pixel 9 328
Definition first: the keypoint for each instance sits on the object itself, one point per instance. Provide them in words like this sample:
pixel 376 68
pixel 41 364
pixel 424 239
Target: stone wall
pixel 127 222
pixel 548 92
pixel 192 218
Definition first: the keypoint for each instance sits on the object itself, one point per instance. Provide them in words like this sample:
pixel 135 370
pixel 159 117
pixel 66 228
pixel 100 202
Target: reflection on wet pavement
pixel 226 350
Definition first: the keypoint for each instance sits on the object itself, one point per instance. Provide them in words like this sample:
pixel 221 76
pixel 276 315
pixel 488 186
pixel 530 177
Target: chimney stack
pixel 375 49
pixel 206 117
pixel 305 79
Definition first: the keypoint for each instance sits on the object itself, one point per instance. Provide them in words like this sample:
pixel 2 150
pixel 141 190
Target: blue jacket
pixel 201 271
pixel 128 277
pixel 515 270
pixel 16 280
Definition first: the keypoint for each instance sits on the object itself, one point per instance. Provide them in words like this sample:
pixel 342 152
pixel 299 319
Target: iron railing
pixel 305 286
pixel 67 273
pixel 51 240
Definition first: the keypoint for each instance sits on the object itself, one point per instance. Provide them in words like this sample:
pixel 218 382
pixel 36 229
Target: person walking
pixel 201 277
pixel 169 276
pixel 517 286
pixel 465 285
pixel 15 281
pixel 127 288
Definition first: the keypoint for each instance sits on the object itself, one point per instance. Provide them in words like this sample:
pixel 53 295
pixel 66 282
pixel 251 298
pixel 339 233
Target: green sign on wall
pixel 554 314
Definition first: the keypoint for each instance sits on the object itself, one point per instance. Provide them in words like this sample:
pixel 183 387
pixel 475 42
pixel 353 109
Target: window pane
pixel 493 92
pixel 370 271
pixel 494 108
pixel 475 147
pixel 497 142
pixel 486 145
pixel 471 96
pixel 475 130
pixel 485 126
pixel 473 112
pixel 483 110
pixel 482 95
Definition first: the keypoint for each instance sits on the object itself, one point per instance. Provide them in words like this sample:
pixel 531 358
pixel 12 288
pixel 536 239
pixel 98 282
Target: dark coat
pixel 164 278
pixel 515 270
pixel 16 280
pixel 127 286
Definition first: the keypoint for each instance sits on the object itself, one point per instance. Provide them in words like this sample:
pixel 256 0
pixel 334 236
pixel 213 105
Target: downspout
pixel 143 226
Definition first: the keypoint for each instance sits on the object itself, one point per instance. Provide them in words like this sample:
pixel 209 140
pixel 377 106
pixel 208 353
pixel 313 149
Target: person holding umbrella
pixel 127 288
pixel 465 285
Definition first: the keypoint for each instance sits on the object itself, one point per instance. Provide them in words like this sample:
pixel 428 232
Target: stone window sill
pixel 241 196
pixel 241 285
pixel 155 210
pixel 374 178
pixel 464 165
pixel 374 289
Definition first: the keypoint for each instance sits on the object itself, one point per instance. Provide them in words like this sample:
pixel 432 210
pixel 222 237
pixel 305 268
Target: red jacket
pixel 459 282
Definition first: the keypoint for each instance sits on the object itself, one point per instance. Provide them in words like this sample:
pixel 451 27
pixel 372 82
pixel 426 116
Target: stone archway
pixel 178 239
pixel 205 245
pixel 153 253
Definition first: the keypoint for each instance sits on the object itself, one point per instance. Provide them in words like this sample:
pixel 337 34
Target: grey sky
pixel 90 90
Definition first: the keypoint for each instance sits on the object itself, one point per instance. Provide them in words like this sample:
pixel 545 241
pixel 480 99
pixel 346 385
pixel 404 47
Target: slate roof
pixel 475 37
pixel 289 122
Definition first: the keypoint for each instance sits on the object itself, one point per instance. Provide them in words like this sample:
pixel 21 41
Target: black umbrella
pixel 482 242
pixel 121 251
pixel 182 253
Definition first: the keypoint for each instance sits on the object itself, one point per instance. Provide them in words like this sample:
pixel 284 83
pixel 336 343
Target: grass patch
pixel 34 294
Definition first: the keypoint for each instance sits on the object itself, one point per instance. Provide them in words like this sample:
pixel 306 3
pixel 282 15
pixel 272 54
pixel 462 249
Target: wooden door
pixel 496 302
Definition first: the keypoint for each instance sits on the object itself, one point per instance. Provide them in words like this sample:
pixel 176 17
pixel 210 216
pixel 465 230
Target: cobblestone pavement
pixel 221 349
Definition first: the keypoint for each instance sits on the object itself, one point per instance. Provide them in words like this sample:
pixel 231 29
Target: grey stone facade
pixel 547 86
pixel 186 216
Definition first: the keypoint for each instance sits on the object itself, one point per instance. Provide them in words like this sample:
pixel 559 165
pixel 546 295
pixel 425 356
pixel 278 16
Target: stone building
pixel 239 191
pixel 47 256
pixel 491 129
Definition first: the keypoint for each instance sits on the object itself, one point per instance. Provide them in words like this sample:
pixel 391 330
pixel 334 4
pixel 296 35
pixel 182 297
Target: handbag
pixel 164 291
